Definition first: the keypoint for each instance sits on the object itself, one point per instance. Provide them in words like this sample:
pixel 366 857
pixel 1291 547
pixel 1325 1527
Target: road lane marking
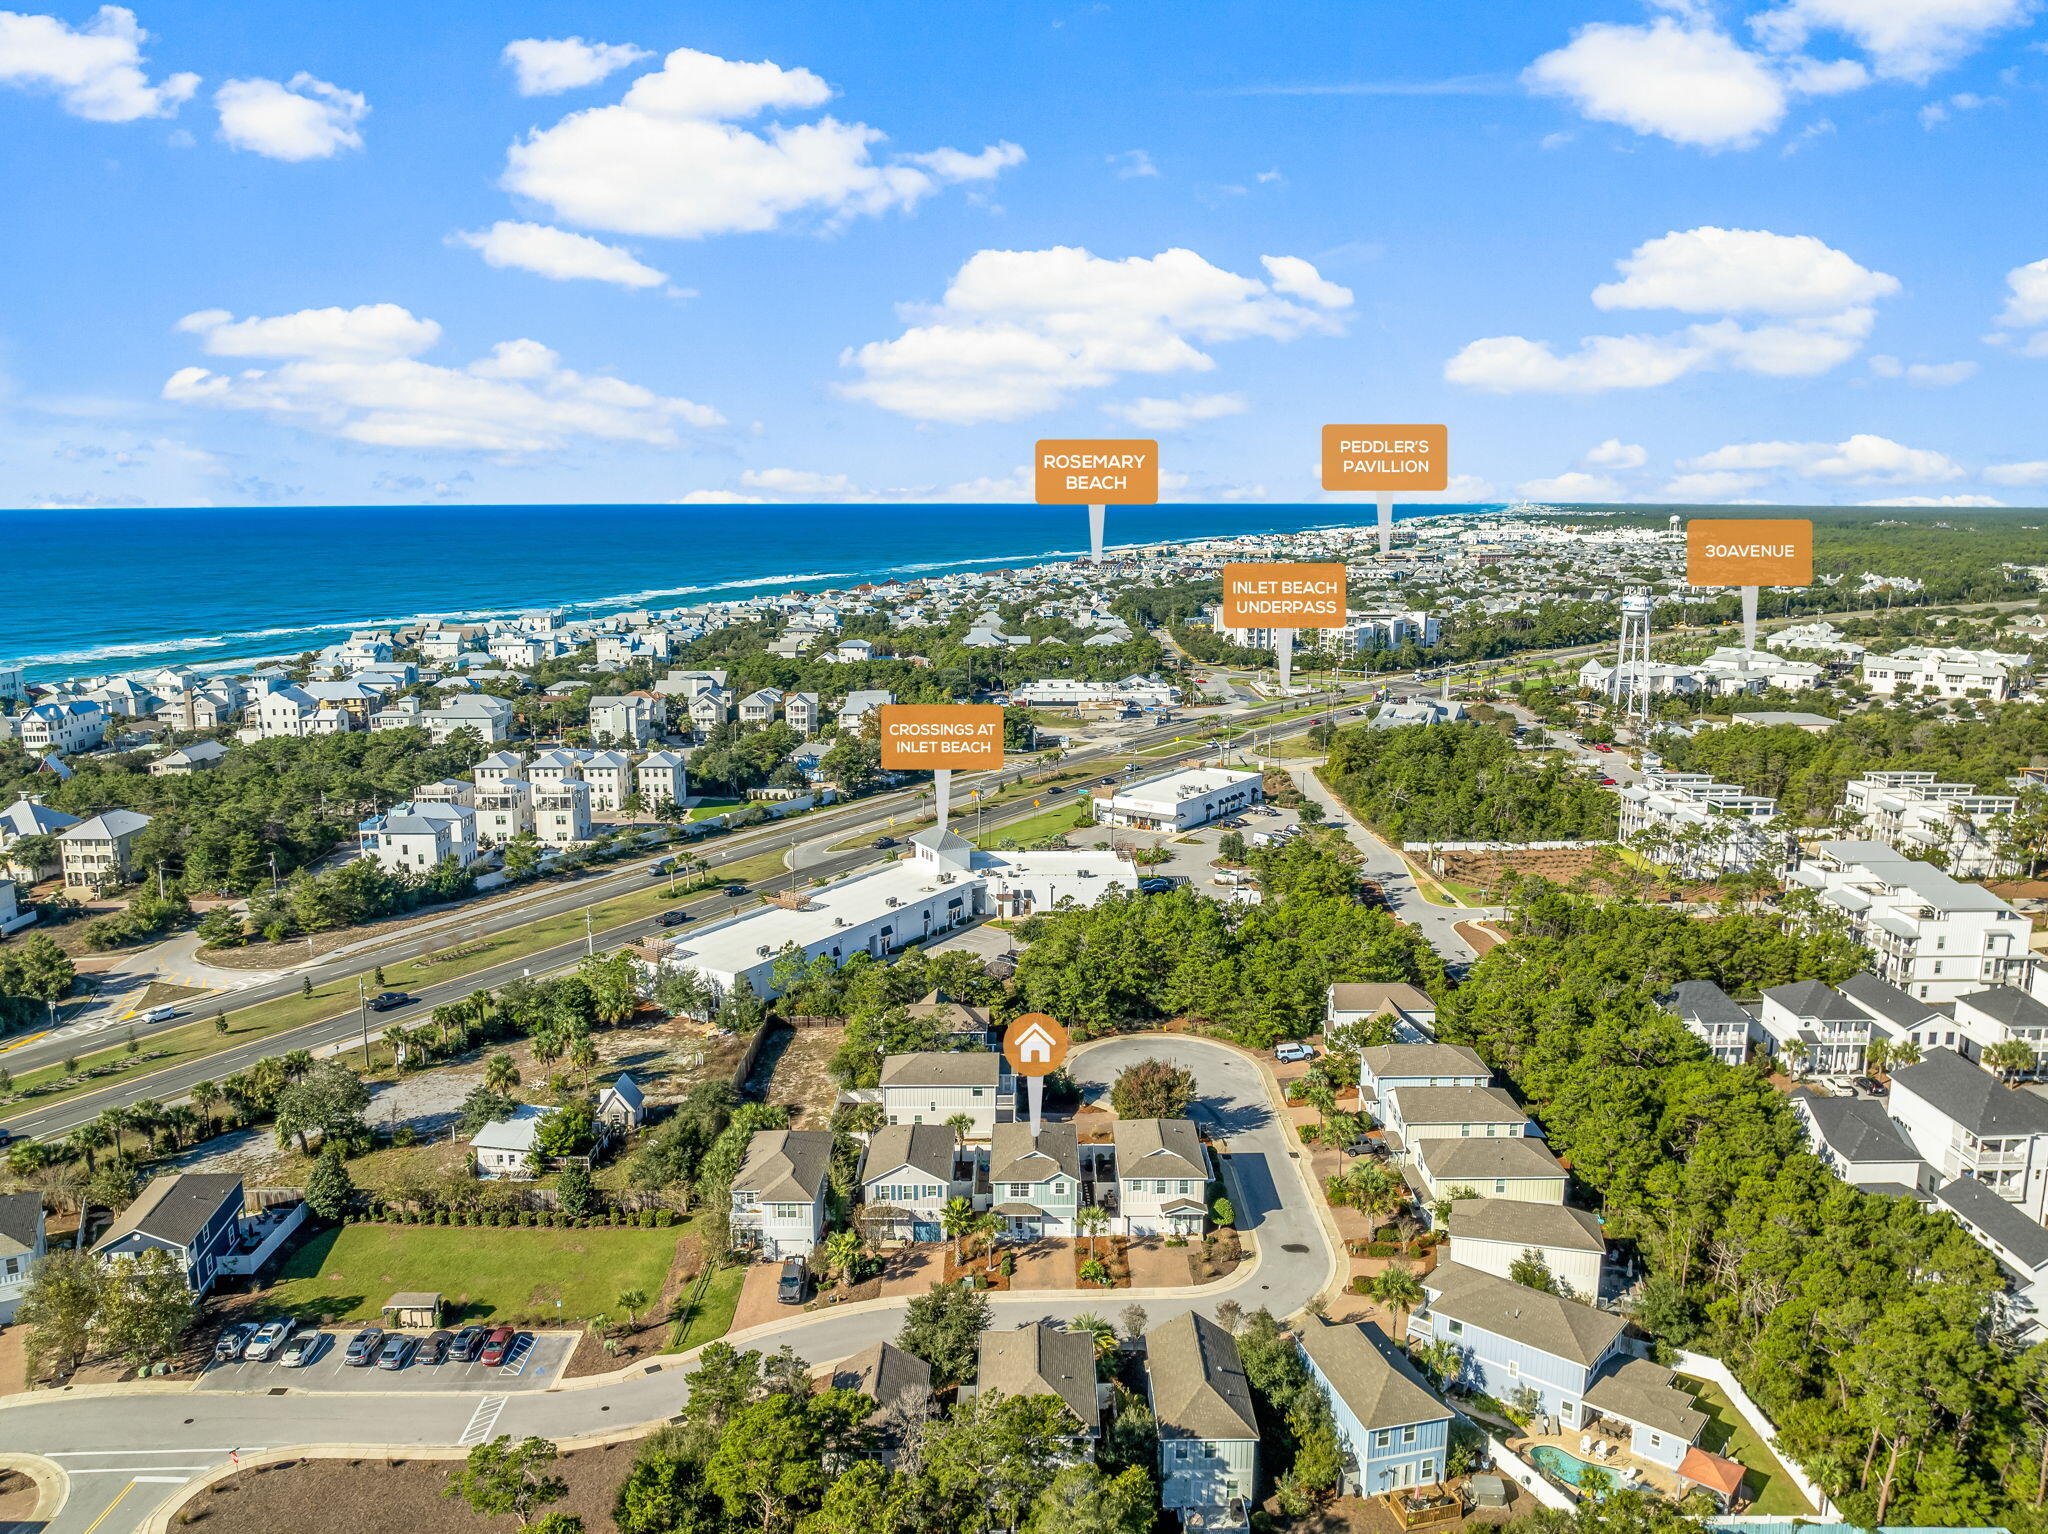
pixel 103 1453
pixel 481 1421
pixel 108 1511
pixel 150 1472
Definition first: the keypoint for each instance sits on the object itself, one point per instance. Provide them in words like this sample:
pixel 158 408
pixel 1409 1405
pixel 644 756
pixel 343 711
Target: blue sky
pixel 1788 250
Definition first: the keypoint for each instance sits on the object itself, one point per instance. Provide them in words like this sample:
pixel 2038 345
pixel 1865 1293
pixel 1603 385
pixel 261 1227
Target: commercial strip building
pixel 1179 800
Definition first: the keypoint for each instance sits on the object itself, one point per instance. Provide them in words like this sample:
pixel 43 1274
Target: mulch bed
pixel 1109 1251
pixel 390 1497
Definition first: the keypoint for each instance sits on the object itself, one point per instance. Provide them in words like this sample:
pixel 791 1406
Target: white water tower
pixel 1629 686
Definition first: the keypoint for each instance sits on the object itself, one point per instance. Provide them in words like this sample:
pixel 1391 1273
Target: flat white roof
pixel 859 899
pixel 1171 788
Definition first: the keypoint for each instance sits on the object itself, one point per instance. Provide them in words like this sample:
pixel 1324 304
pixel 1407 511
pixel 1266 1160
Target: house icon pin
pixel 1035 1046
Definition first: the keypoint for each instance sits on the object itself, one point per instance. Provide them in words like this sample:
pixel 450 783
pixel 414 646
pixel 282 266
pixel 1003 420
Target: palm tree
pixel 183 1125
pixel 115 1119
pixel 632 1299
pixel 205 1096
pixel 2010 1057
pixel 146 1117
pixel 958 1220
pixel 1398 1290
pixel 296 1064
pixel 962 1125
pixel 583 1054
pixel 1905 1052
pixel 842 1254
pixel 1091 1220
pixel 500 1074
pixel 1092 1325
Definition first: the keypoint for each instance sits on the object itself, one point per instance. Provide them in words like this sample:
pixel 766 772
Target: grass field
pixel 1731 1437
pixel 487 1274
pixel 1028 830
pixel 199 1039
pixel 709 1317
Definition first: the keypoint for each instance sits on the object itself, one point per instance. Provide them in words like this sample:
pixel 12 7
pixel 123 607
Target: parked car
pixel 496 1346
pixel 435 1349
pixel 299 1352
pixel 273 1336
pixel 1602 746
pixel 1605 781
pixel 1154 886
pixel 397 1351
pixel 385 1001
pixel 1870 1086
pixel 790 1289
pixel 672 918
pixel 1293 1050
pixel 362 1347
pixel 232 1341
pixel 468 1343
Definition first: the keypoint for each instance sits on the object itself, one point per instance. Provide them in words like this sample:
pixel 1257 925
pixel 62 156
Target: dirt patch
pixel 390 1497
pixel 19 1497
pixel 793 1071
pixel 1599 870
pixel 1481 938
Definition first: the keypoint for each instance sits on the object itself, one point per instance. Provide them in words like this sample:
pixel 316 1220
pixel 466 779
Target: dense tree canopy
pixel 1463 782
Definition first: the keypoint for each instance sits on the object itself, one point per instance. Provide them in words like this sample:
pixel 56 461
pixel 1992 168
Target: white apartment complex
pixel 414 837
pixel 1696 826
pixel 1948 672
pixel 1915 812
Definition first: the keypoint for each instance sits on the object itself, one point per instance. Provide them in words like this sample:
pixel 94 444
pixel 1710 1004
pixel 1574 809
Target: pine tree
pixel 330 1191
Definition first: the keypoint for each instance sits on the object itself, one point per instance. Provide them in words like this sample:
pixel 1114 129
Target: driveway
pixel 130 1450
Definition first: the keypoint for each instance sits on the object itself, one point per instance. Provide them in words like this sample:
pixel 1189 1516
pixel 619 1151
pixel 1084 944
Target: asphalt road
pixel 127 1453
pixel 170 1084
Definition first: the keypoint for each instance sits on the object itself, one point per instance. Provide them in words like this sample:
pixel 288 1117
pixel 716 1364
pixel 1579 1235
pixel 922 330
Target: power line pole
pixel 363 1011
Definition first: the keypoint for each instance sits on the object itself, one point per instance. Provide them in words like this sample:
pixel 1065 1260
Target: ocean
pixel 89 591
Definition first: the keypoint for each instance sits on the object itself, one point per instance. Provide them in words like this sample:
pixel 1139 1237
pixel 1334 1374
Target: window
pixel 1500 1185
pixel 1464 1131
pixel 1456 1328
pixel 1019 1189
pixel 1383 1438
pixel 13 1269
pixel 1428 1470
pixel 1408 1434
pixel 1514 1370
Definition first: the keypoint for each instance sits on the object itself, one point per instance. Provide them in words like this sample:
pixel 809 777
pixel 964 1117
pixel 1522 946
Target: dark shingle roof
pixel 21 1216
pixel 175 1208
pixel 1973 1097
pixel 1857 1128
pixel 1374 1381
pixel 1819 1003
pixel 2007 1004
pixel 1562 1328
pixel 1883 1000
pixel 1703 1002
pixel 1199 1389
pixel 1042 1360
pixel 2025 1243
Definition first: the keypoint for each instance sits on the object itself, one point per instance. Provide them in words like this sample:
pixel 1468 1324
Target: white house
pixel 1900 1016
pixel 1520 1168
pixel 504 809
pixel 2002 1014
pixel 186 760
pixel 1413 1114
pixel 627 719
pixel 22 1245
pixel 610 777
pixel 858 705
pixel 96 852
pixel 934 1087
pixel 1036 1184
pixel 1407 1007
pixel 1916 813
pixel 1964 1122
pixel 75 724
pixel 1179 800
pixel 801 712
pixel 761 706
pixel 1857 1140
pixel 1715 1018
pixel 2019 1244
pixel 414 837
pixel 29 816
pixel 1162 1173
pixel 1208 1429
pixel 1387 1068
pixel 1696 826
pixel 1493 1234
pixel 779 1192
pixel 499 767
pixel 504 1147
pixel 910 1173
pixel 561 815
pixel 661 779
pixel 1946 671
pixel 1935 937
pixel 1816 1029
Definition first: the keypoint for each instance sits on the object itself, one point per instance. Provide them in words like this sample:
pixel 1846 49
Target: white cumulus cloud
pixel 1020 331
pixel 1170 415
pixel 1692 84
pixel 356 374
pixel 1961 501
pixel 1715 485
pixel 560 254
pixel 1905 39
pixel 1863 459
pixel 2034 473
pixel 1572 486
pixel 671 158
pixel 298 119
pixel 2026 308
pixel 1817 299
pixel 1617 454
pixel 547 66
pixel 94 70
pixel 1928 375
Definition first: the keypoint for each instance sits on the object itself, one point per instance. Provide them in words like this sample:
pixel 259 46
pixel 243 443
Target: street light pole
pixel 363 1007
pixel 589 940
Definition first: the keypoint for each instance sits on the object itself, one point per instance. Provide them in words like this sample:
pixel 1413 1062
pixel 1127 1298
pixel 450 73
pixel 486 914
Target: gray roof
pixel 1562 1328
pixel 1705 1003
pixel 1820 1003
pixel 1642 1392
pixel 894 1380
pixel 1422 1060
pixel 1042 1360
pixel 1885 1001
pixel 2025 1242
pixel 174 1208
pixel 1014 1157
pixel 928 1147
pixel 1529 1225
pixel 1973 1097
pixel 21 1220
pixel 1453 1105
pixel 1375 995
pixel 942 841
pixel 108 827
pixel 25 817
pixel 1199 1389
pixel 198 751
pixel 943 1068
pixel 2009 1005
pixel 1452 1158
pixel 1857 1128
pixel 1379 1386
pixel 786 1165
pixel 1158 1148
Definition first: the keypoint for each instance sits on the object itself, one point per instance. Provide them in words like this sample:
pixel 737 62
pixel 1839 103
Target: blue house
pixel 1393 1430
pixel 1516 1338
pixel 196 1216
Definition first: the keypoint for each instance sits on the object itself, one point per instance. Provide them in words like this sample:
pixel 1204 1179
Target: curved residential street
pixel 127 1453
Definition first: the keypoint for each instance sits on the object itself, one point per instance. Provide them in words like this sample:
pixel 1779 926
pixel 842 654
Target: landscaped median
pixel 339 998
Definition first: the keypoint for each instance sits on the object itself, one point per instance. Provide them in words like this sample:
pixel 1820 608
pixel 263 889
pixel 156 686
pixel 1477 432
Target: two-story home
pixel 22 1245
pixel 1045 1360
pixel 1036 1184
pixel 1964 1122
pixel 195 1216
pixel 1899 1015
pixel 961 1024
pixel 1663 1422
pixel 1514 1337
pixel 856 707
pixel 1161 1174
pixel 414 838
pixel 1522 1169
pixel 2019 1244
pixel 760 707
pixel 1815 1029
pixel 909 1174
pixel 1713 1017
pixel 1414 1114
pixel 778 1194
pixel 28 816
pixel 801 711
pixel 75 724
pixel 1391 1067
pixel 1392 1429
pixel 935 1086
pixel 1208 1430
pixel 95 852
pixel 1407 1008
pixel 1856 1139
pixel 1493 1234
pixel 900 1385
pixel 1998 1015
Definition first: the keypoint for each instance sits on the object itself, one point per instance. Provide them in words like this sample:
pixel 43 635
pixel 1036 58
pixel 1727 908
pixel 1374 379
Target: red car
pixel 496 1346
pixel 1607 782
pixel 1599 747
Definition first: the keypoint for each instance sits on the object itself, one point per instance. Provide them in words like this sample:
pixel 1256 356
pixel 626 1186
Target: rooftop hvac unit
pixel 892 902
pixel 839 921
pixel 763 950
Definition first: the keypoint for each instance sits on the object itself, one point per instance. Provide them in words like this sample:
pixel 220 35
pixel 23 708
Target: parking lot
pixel 534 1366
pixel 1194 856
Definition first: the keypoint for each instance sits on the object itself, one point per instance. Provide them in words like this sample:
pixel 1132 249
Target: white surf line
pixel 482 1420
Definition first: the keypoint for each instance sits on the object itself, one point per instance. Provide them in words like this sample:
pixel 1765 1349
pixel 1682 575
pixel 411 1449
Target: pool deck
pixel 1658 1478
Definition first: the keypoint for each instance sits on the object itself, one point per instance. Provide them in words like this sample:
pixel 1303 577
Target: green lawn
pixel 1028 830
pixel 710 807
pixel 514 1275
pixel 1731 1437
pixel 709 1316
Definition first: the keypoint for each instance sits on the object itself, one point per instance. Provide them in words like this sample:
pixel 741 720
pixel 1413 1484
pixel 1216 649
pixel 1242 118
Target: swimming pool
pixel 1568 1467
